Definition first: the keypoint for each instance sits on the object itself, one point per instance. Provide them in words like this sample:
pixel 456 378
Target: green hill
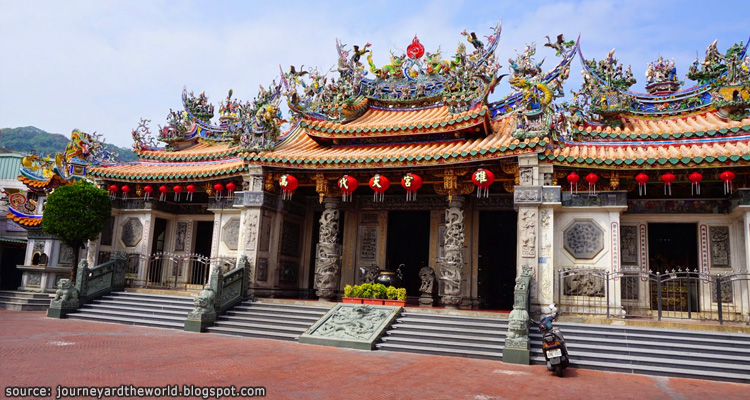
pixel 28 138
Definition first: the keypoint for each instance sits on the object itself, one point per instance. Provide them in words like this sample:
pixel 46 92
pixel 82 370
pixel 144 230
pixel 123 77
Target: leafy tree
pixel 76 214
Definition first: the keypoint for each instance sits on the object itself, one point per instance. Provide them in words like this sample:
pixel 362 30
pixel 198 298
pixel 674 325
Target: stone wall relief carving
pixel 181 236
pixel 230 233
pixel 628 245
pixel 528 233
pixel 526 176
pixel 132 232
pixel 252 232
pixel 720 255
pixel 583 239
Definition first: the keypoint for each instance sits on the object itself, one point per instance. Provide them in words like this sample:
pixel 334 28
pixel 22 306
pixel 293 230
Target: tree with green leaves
pixel 76 214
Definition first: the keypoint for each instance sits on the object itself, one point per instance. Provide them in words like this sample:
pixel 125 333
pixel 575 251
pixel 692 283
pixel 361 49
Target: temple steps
pixel 450 335
pixel 649 351
pixel 268 320
pixel 24 301
pixel 160 311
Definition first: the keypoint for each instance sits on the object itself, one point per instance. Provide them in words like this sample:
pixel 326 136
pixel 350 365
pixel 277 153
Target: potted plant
pixel 349 294
pixel 396 297
pixel 376 294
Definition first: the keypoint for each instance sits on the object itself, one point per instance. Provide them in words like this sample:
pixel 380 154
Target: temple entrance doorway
pixel 674 246
pixel 408 243
pixel 497 259
pixel 10 276
pixel 199 270
pixel 156 265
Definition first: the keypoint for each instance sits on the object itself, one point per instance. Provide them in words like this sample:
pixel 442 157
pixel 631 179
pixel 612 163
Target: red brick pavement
pixel 38 351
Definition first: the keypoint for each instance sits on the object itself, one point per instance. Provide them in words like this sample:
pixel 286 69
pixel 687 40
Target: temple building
pixel 409 168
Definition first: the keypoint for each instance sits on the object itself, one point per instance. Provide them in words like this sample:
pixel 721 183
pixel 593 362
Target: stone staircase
pixel 448 335
pixel 155 310
pixel 24 301
pixel 654 351
pixel 649 351
pixel 268 320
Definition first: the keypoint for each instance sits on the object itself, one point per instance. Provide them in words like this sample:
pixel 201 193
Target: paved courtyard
pixel 37 351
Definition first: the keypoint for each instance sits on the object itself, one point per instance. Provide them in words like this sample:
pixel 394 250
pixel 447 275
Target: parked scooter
pixel 553 343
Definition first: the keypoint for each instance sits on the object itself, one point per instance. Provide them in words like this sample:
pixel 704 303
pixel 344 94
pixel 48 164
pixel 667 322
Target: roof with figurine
pixel 422 109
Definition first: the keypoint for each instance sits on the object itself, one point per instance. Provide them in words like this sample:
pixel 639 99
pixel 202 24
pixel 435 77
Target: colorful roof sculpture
pixel 44 174
pixel 424 110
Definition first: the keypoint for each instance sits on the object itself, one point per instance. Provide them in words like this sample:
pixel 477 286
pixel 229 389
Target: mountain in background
pixel 28 138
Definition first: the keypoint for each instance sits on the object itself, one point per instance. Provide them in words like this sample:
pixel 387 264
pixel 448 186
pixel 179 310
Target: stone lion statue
pixel 66 291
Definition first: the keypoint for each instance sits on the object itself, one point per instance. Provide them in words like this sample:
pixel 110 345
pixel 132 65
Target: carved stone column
pixel 451 265
pixel 328 251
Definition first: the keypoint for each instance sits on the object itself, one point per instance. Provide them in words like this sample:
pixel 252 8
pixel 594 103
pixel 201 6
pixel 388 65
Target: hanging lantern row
pixel 483 179
pixel 163 189
pixel 668 178
pixel 288 185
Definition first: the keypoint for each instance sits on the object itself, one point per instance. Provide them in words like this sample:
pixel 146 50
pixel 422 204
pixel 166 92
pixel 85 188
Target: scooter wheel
pixel 549 366
pixel 559 370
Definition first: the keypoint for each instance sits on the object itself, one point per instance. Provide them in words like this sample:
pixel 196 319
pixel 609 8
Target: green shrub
pixel 348 290
pixel 356 291
pixel 378 291
pixel 392 293
pixel 367 290
pixel 401 295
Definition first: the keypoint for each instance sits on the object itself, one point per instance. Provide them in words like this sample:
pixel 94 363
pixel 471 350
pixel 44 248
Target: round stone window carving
pixel 583 239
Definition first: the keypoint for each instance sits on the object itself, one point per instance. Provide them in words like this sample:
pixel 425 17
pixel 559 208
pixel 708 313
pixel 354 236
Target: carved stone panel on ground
pixel 354 326
pixel 583 239
pixel 132 232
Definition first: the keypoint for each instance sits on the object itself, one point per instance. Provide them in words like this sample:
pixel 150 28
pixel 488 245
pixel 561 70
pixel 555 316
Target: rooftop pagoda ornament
pixel 661 77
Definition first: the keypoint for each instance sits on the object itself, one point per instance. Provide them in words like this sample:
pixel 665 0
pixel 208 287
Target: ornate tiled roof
pixel 49 184
pixel 197 152
pixel 301 151
pixel 699 140
pixel 25 221
pixel 388 123
pixel 171 171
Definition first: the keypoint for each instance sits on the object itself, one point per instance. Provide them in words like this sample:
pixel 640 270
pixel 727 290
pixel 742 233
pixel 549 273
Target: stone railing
pixel 91 283
pixel 222 292
pixel 601 199
pixel 517 349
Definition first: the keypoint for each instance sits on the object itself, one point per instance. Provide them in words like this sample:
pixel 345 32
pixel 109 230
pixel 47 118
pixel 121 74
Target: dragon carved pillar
pixel 451 265
pixel 328 251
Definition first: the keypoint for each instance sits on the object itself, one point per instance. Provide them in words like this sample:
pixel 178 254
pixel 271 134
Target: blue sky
pixel 102 65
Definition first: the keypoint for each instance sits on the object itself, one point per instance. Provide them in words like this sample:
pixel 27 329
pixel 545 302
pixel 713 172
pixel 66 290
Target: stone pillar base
pixel 60 312
pixel 426 300
pixel 516 356
pixel 199 325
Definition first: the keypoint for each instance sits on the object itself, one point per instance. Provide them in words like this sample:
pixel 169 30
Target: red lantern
pixel 483 179
pixel 125 191
pixel 592 179
pixel 163 189
pixel 668 178
pixel 177 191
pixel 642 179
pixel 347 185
pixel 288 184
pixel 113 191
pixel 727 177
pixel 230 189
pixel 412 183
pixel 147 190
pixel 379 185
pixel 695 182
pixel 218 188
pixel 573 179
pixel 190 189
